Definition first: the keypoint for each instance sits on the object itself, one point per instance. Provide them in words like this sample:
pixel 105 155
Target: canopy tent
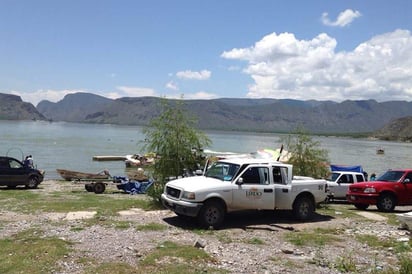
pixel 346 168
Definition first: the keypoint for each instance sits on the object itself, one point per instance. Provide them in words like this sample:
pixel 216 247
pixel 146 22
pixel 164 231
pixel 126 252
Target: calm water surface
pixel 72 146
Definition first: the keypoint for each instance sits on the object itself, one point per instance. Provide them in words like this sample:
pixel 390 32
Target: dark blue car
pixel 14 173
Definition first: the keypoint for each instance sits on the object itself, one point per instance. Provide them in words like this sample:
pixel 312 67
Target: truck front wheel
pixel 303 208
pixel 211 214
pixel 386 203
pixel 32 183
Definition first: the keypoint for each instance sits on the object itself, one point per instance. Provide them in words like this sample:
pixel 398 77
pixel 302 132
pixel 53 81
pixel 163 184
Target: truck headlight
pixel 369 190
pixel 188 195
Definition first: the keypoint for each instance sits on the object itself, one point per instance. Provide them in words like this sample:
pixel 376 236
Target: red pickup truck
pixel 393 188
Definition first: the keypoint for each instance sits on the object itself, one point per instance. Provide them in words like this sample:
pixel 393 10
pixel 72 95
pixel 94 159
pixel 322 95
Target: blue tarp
pixel 131 186
pixel 346 168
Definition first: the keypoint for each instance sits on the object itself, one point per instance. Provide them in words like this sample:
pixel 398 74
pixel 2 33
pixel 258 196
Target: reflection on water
pixel 72 146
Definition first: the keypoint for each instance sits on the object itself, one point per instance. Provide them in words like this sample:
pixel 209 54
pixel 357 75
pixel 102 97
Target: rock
pixel 199 244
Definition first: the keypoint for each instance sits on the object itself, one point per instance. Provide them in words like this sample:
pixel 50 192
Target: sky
pixel 313 49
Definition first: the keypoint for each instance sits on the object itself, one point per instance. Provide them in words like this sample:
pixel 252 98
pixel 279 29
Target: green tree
pixel 307 158
pixel 173 137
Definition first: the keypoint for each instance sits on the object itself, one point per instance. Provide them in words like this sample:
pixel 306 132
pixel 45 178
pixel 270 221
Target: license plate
pixel 353 198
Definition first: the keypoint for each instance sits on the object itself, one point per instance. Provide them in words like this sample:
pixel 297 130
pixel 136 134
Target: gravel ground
pixel 232 247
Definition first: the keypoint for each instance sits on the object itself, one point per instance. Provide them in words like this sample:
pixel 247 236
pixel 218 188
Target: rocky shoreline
pixel 250 242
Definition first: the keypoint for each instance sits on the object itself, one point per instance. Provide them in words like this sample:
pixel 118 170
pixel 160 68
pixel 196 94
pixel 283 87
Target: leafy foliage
pixel 307 158
pixel 177 143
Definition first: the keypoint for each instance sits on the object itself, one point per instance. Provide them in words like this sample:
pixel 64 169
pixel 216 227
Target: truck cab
pixel 339 182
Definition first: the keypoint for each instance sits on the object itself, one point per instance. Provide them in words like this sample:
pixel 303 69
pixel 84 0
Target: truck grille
pixel 173 192
pixel 356 189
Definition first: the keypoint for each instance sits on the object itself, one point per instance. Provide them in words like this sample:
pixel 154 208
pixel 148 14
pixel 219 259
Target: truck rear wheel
pixel 303 208
pixel 211 214
pixel 386 203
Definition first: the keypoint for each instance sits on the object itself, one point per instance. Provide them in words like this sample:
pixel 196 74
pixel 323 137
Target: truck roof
pixel 242 161
pixel 348 172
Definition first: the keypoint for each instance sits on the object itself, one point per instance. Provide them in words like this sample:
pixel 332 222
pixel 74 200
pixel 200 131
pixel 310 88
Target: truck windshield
pixel 333 176
pixel 391 176
pixel 222 171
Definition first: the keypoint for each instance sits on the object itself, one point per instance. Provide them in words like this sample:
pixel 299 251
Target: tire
pixel 211 214
pixel 361 206
pixel 303 208
pixel 99 188
pixel 32 183
pixel 386 203
pixel 89 187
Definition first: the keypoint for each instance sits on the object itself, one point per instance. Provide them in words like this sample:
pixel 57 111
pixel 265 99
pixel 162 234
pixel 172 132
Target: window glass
pixel 391 176
pixel 256 175
pixel 359 178
pixel 15 164
pixel 4 163
pixel 280 174
pixel 409 176
pixel 222 171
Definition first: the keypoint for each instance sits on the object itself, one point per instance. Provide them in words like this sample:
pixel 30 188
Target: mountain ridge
pixel 12 107
pixel 264 115
pixel 230 114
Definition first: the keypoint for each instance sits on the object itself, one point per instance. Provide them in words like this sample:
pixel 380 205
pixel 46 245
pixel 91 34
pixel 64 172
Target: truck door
pixel 405 191
pixel 344 181
pixel 253 189
pixel 283 196
pixel 17 172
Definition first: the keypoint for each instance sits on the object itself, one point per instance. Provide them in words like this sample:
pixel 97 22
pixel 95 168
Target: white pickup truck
pixel 243 184
pixel 339 182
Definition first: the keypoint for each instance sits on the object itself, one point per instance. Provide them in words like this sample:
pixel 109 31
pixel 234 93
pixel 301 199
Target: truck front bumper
pixel 368 199
pixel 181 207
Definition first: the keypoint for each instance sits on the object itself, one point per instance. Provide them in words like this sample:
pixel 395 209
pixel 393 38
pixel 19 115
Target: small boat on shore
pixel 136 160
pixel 70 175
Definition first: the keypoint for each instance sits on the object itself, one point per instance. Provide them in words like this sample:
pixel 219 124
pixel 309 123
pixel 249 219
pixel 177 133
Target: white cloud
pixel 51 95
pixel 172 85
pixel 285 67
pixel 194 75
pixel 201 95
pixel 133 92
pixel 344 18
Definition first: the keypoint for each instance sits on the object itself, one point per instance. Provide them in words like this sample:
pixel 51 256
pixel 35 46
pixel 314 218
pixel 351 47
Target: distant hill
pixel 13 108
pixel 265 115
pixel 73 107
pixel 396 130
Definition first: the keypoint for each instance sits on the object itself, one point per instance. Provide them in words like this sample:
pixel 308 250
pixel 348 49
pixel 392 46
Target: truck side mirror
pixel 407 180
pixel 239 181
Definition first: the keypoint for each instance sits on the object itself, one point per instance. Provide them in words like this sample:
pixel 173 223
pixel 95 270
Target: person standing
pixel 28 162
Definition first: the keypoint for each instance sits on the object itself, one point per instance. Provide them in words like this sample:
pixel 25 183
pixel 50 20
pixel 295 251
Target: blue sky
pixel 324 50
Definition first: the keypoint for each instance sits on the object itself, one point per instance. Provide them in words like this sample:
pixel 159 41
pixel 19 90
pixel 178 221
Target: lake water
pixel 72 146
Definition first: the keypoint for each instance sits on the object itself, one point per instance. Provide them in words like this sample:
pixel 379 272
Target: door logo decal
pixel 253 194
